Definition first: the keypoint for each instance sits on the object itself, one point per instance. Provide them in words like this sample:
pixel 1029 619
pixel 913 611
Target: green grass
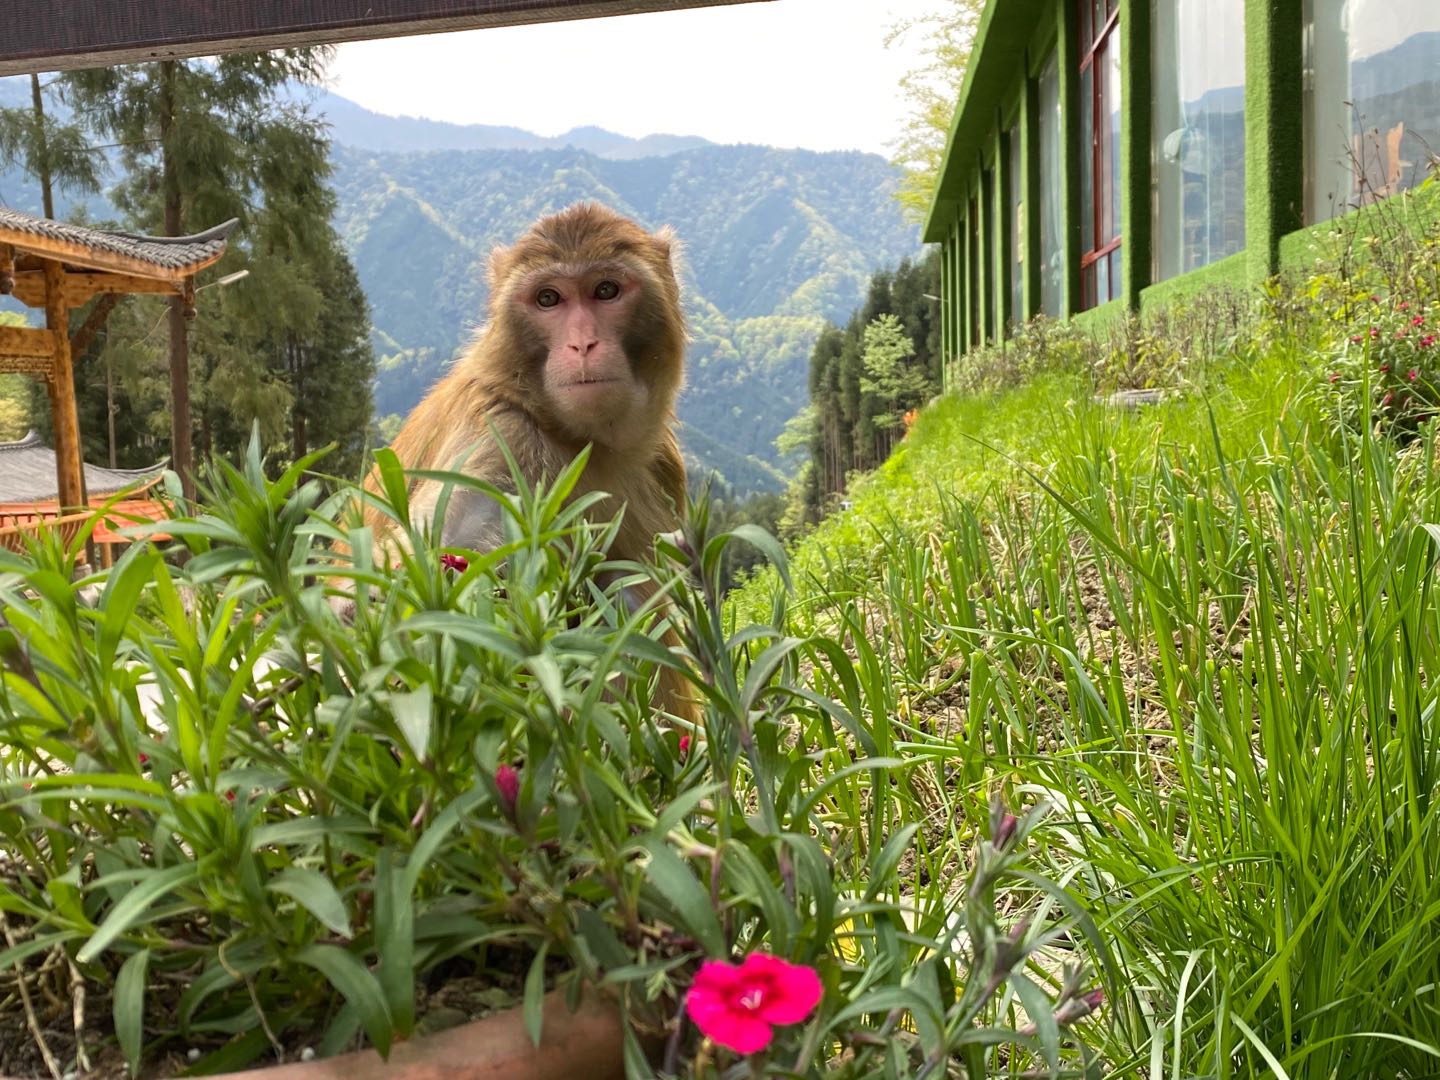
pixel 1207 634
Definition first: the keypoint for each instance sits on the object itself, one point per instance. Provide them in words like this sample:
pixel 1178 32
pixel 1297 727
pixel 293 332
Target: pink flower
pixel 1374 331
pixel 507 780
pixel 1356 339
pixel 1384 369
pixel 738 1006
pixel 1403 305
pixel 1387 399
pixel 1427 341
pixel 1412 374
pixel 684 745
pixel 458 563
pixel 1335 376
pixel 1419 320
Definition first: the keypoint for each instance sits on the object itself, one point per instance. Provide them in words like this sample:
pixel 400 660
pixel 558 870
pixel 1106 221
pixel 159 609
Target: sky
pixel 793 73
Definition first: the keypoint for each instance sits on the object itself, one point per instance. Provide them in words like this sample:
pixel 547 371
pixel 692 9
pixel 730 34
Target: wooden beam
pixel 64 414
pixel 82 285
pixel 26 341
pixel 80 340
pixel 26 365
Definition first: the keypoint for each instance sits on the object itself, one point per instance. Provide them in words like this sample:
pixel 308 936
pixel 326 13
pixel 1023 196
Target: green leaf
pixel 128 1008
pixel 315 893
pixel 137 902
pixel 414 714
pixel 357 985
pixel 677 883
pixel 535 995
pixel 395 940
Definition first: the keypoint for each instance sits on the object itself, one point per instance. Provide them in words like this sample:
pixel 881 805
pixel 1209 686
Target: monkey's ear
pixel 667 244
pixel 499 268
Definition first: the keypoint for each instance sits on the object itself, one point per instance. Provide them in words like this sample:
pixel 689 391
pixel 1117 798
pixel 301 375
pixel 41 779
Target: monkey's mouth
pixel 595 381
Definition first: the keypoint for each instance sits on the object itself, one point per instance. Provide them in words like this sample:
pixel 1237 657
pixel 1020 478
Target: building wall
pixel 1016 38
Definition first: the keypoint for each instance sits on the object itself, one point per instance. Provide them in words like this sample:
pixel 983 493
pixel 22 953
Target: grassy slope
pixel 1214 648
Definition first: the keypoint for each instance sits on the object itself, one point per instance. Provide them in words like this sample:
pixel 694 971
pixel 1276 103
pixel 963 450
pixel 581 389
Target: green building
pixel 1107 154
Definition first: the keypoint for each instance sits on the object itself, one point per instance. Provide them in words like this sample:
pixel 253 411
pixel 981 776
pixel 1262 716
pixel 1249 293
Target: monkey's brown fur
pixel 526 379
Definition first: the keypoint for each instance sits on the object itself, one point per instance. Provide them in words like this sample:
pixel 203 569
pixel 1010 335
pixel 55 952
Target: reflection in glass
pixel 1016 211
pixel 1372 100
pixel 1198 145
pixel 1052 252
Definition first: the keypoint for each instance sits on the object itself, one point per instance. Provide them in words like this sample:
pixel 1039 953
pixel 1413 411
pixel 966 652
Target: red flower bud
pixel 1374 331
pixel 1419 320
pixel 1412 374
pixel 1356 339
pixel 1387 399
pixel 1427 341
pixel 507 780
pixel 458 563
pixel 1384 369
pixel 684 745
pixel 1335 376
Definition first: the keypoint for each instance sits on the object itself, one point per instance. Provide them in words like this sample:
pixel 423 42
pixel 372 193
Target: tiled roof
pixel 172 256
pixel 27 473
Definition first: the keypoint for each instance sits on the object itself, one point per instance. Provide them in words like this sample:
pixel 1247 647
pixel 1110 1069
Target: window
pixel 1099 151
pixel 973 227
pixel 1052 210
pixel 1198 145
pixel 1015 213
pixel 988 244
pixel 1372 100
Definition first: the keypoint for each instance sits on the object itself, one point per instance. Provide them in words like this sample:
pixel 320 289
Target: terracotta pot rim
pixel 588 1042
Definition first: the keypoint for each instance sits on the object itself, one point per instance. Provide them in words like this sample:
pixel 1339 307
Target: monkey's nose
pixel 584 347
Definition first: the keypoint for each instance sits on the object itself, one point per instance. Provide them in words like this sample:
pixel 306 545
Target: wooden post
pixel 61 386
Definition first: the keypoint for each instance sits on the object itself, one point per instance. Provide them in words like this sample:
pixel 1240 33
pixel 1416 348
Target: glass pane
pixel 1110 103
pixel 1102 280
pixel 1198 163
pixel 1052 250
pixel 1017 230
pixel 1372 100
pixel 989 242
pixel 1115 268
pixel 1087 160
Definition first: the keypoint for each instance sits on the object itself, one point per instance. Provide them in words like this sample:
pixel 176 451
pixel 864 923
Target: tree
pixel 932 90
pixel 204 141
pixel 56 154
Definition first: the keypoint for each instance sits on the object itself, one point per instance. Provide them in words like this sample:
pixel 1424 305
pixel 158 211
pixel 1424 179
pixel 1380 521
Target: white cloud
pixel 807 73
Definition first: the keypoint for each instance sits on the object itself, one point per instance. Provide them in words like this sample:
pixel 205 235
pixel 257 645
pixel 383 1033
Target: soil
pixel 81 1043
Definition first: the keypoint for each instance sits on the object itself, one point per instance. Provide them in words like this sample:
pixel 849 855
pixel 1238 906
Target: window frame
pixel 1094 45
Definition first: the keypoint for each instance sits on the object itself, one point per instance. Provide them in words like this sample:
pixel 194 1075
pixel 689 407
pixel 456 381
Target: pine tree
pixel 56 154
pixel 204 141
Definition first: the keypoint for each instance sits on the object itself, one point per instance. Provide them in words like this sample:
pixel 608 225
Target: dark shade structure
pixel 48 35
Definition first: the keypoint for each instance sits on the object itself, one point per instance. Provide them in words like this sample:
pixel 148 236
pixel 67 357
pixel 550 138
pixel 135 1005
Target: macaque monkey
pixel 584 345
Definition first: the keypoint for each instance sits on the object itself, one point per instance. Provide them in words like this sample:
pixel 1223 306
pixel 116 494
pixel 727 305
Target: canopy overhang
pixel 50 35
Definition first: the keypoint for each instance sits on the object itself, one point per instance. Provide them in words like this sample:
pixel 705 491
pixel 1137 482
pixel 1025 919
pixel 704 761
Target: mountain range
pixel 774 242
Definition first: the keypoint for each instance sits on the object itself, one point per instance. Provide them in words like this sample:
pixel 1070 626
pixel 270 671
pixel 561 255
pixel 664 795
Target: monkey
pixel 583 345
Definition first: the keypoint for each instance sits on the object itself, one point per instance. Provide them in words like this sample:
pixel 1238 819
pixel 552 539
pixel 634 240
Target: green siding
pixel 1135 124
pixel 1274 130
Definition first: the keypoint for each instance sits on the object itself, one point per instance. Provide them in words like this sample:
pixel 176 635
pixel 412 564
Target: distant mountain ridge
pixel 356 126
pixel 773 243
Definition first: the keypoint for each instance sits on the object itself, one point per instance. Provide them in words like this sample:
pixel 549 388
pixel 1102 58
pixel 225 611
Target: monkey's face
pixel 583 318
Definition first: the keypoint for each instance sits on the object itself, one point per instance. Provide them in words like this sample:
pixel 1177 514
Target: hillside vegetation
pixel 1206 632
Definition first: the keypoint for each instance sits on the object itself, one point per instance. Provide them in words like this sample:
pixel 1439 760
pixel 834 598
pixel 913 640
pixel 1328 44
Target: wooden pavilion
pixel 60 267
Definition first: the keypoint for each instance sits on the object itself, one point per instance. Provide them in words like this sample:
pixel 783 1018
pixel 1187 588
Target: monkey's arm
pixel 474 519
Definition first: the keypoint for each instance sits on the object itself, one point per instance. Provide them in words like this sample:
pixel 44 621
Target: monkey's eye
pixel 547 298
pixel 607 290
